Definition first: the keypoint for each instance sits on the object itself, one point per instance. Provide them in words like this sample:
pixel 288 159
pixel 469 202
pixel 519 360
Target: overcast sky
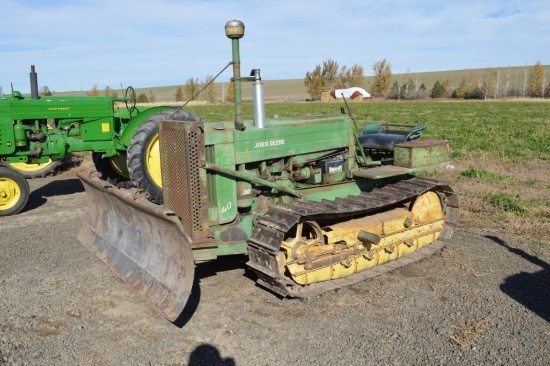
pixel 75 44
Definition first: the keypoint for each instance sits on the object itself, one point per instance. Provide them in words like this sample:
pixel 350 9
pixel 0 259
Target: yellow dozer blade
pixel 142 242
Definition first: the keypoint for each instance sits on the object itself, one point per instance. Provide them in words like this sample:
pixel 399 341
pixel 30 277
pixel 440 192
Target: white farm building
pixel 350 93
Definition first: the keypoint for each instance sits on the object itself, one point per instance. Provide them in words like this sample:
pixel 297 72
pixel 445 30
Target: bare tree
pixel 94 92
pixel 525 79
pixel 191 87
pixel 108 92
pixel 230 96
pixel 211 92
pixel 416 87
pixel 507 90
pixel 542 87
pixel 152 98
pixel 487 83
pixel 45 91
pixel 497 83
pixel 179 94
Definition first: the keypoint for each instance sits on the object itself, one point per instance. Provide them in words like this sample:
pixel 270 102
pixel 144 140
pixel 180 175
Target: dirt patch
pixel 482 300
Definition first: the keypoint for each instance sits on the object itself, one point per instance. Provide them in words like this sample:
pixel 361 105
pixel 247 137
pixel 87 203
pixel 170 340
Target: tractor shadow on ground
pixel 205 270
pixel 62 187
pixel 532 290
pixel 207 354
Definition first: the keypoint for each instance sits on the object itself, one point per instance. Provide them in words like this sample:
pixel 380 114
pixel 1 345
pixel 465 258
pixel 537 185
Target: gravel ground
pixel 485 299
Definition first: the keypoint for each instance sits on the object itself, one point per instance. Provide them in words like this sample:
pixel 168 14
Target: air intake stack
pixel 234 30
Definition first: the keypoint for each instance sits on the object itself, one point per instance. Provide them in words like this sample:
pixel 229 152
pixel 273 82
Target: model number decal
pixel 226 207
pixel 269 143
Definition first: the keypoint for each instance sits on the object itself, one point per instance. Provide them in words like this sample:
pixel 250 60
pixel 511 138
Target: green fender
pixel 131 127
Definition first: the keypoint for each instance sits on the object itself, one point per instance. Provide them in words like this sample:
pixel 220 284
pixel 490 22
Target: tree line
pixel 328 76
pixel 492 83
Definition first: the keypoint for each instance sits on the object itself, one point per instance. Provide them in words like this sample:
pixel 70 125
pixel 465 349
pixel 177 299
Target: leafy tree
pixel 534 86
pixel 191 87
pixel 461 90
pixel 423 88
pixel 45 91
pixel 94 92
pixel 382 77
pixel 477 93
pixel 142 98
pixel 151 97
pixel 438 91
pixel 355 76
pixel 395 91
pixel 315 83
pixel 466 85
pixel 179 94
pixel 341 81
pixel 330 75
pixel 1 90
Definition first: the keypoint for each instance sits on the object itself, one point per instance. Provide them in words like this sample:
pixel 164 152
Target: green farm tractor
pixel 314 202
pixel 37 134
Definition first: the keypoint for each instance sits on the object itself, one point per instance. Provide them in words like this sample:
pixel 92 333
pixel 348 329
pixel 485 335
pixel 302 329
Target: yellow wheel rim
pixel 30 168
pixel 10 193
pixel 152 160
pixel 118 163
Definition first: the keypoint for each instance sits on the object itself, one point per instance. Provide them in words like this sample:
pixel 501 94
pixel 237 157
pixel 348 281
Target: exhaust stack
pixel 258 99
pixel 34 83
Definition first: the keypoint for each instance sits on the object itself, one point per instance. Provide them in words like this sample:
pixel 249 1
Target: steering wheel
pixel 130 98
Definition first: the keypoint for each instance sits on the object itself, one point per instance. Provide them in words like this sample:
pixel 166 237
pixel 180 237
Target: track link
pixel 271 228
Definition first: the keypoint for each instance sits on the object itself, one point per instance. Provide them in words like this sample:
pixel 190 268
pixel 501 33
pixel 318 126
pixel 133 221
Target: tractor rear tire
pixel 14 191
pixel 144 155
pixel 31 171
pixel 113 168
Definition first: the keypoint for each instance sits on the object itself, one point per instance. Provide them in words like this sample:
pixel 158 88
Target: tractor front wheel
pixel 31 171
pixel 144 152
pixel 14 191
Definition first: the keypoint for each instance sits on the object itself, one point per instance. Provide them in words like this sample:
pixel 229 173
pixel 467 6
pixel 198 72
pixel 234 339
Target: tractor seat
pixel 387 139
pixel 381 140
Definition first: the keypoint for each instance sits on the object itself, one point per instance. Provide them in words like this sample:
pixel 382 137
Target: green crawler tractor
pixel 314 203
pixel 37 134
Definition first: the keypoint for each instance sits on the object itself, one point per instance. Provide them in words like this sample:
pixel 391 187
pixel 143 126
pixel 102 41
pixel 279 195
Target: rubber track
pixel 270 230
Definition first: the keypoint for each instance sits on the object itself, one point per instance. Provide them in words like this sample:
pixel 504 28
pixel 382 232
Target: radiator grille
pixel 182 148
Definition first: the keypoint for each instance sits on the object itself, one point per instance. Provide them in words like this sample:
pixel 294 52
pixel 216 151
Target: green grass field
pixel 512 131
pixel 501 152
